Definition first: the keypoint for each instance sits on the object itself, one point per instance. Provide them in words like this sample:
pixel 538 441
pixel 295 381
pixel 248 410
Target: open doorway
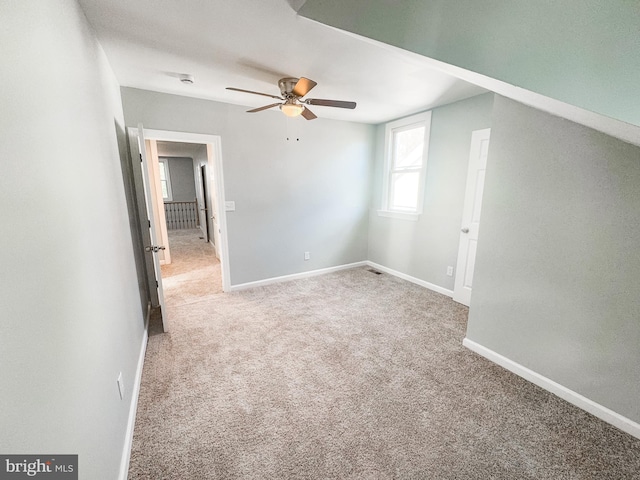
pixel 192 271
pixel 153 187
pixel 189 188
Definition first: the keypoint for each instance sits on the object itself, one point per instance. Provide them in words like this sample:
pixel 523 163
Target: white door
pixel 155 246
pixel 471 216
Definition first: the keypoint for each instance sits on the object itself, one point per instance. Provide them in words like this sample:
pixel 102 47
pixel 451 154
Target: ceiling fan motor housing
pixel 287 85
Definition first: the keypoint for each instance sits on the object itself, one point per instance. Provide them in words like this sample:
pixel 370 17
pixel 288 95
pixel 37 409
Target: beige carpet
pixel 194 272
pixel 346 376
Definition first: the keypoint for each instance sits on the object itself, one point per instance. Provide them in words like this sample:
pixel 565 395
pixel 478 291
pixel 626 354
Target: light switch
pixel 230 206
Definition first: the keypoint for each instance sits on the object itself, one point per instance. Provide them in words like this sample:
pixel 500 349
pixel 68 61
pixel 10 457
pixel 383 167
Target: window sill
pixel 412 217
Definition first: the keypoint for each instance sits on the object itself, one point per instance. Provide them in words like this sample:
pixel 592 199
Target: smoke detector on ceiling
pixel 187 79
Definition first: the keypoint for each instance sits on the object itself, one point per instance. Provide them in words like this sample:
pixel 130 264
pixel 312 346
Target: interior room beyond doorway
pixel 191 270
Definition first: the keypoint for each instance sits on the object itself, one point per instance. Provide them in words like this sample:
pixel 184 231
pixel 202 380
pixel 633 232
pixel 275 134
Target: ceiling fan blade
pixel 259 109
pixel 308 114
pixel 303 87
pixel 330 103
pixel 255 93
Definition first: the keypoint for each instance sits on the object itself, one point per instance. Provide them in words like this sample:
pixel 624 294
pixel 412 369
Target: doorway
pixel 192 219
pixel 193 271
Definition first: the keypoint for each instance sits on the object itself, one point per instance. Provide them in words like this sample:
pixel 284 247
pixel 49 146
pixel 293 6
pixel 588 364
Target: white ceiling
pixel 250 44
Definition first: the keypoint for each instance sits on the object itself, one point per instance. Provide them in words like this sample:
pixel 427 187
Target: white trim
pixel 412 217
pixel 580 401
pixel 409 278
pixel 295 276
pixel 133 407
pixel 323 271
pixel 170 136
pixel 223 249
pixel 163 164
pixel 418 120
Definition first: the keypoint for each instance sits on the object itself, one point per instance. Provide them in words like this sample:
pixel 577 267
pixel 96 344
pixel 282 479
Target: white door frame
pixel 218 176
pixel 213 203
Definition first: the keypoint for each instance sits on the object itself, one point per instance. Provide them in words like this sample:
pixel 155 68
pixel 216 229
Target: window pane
pixel 404 191
pixel 163 173
pixel 407 147
pixel 165 191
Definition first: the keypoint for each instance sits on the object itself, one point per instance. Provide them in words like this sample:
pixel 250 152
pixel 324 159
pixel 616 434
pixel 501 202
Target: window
pixel 165 180
pixel 406 146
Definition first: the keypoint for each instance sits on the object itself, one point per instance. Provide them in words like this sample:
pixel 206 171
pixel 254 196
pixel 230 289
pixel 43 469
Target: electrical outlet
pixel 120 386
pixel 450 271
pixel 307 255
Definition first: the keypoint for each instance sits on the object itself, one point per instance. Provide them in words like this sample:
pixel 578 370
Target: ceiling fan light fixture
pixel 292 90
pixel 291 109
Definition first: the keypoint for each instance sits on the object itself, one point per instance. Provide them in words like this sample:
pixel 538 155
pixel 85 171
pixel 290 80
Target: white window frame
pixel 163 163
pixel 419 120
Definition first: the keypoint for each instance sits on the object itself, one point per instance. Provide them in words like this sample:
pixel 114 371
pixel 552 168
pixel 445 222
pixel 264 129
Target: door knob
pixel 465 230
pixel 154 248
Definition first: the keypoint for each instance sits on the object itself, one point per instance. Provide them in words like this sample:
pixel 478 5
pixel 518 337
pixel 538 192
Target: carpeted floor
pixel 194 272
pixel 346 376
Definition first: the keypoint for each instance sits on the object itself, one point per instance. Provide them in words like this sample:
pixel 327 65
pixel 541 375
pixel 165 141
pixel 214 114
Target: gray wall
pixel 586 53
pixel 183 187
pixel 425 248
pixel 556 279
pixel 71 316
pixel 308 193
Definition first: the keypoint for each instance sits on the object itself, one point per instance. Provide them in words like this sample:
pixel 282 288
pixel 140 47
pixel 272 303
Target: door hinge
pixel 156 284
pixel 149 222
pixel 140 156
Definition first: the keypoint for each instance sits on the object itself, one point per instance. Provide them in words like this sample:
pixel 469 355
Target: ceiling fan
pixel 292 90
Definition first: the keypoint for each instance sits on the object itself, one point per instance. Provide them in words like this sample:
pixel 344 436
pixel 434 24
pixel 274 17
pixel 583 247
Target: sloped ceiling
pixel 584 53
pixel 251 44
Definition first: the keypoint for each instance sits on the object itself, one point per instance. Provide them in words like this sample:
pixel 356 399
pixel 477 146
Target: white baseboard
pixel 133 407
pixel 294 276
pixel 409 278
pixel 580 401
pixel 322 271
